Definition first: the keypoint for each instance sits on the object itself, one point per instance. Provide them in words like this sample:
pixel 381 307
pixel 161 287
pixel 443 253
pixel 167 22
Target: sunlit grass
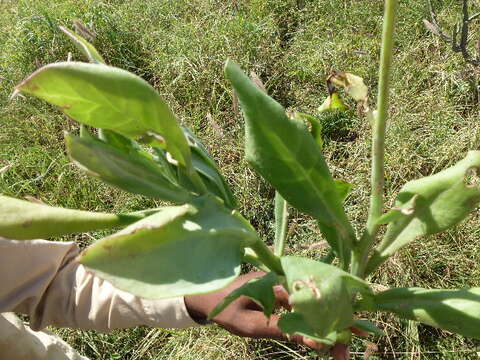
pixel 180 47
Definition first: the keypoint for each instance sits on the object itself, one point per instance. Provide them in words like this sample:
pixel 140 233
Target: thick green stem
pixel 360 255
pixel 266 256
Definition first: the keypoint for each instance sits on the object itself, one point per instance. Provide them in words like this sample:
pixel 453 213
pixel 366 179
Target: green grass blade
pixel 281 224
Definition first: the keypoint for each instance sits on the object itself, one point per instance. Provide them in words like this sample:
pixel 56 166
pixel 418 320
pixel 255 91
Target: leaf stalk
pixel 266 256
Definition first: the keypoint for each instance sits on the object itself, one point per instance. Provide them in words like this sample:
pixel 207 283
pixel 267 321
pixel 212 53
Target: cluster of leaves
pixel 140 147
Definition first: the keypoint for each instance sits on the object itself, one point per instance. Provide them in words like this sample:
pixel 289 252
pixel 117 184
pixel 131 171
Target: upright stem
pixel 378 147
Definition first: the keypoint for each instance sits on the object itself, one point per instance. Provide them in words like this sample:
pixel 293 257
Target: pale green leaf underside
pixel 428 206
pixel 295 324
pixel 322 293
pixel 25 220
pixel 457 311
pixel 182 250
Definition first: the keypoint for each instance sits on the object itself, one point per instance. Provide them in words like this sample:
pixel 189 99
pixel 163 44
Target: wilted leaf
pixel 84 46
pixel 457 311
pixel 286 155
pixel 25 220
pixel 109 98
pixel 428 206
pixel 353 85
pixel 259 290
pixel 118 141
pixel 130 171
pixel 129 146
pixel 182 250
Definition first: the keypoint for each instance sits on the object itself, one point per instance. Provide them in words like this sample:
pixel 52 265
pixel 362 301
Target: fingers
pixel 254 324
pixel 281 297
pixel 359 332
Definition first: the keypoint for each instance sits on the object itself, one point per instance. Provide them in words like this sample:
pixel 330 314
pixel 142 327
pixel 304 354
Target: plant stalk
pixel 266 256
pixel 360 255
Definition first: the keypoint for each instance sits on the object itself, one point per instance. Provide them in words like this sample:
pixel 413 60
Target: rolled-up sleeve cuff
pixel 169 313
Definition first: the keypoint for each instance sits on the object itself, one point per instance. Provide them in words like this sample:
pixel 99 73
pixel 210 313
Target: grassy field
pixel 180 47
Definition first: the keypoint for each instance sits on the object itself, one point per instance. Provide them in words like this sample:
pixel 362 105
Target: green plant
pixel 140 148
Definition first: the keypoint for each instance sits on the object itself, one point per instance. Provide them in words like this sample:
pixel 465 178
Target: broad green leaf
pixel 368 326
pixel 129 171
pixel 322 293
pixel 84 46
pixel 109 98
pixel 25 220
pixel 259 290
pixel 457 311
pixel 281 224
pixel 206 166
pixel 286 155
pixel 181 250
pixel 428 206
pixel 295 324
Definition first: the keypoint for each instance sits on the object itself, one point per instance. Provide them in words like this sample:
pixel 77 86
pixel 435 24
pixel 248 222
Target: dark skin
pixel 244 317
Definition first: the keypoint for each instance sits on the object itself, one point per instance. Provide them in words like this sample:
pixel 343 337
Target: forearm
pixel 42 279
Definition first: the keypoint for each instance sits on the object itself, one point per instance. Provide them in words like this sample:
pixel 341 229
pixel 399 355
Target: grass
pixel 180 47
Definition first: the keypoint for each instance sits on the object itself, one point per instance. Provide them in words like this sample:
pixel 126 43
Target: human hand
pixel 244 317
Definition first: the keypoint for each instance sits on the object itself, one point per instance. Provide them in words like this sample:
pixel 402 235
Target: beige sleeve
pixel 41 279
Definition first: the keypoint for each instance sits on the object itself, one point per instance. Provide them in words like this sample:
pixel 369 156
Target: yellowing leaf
pixel 353 84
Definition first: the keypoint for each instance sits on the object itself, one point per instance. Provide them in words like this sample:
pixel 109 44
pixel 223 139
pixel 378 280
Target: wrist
pixel 194 309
